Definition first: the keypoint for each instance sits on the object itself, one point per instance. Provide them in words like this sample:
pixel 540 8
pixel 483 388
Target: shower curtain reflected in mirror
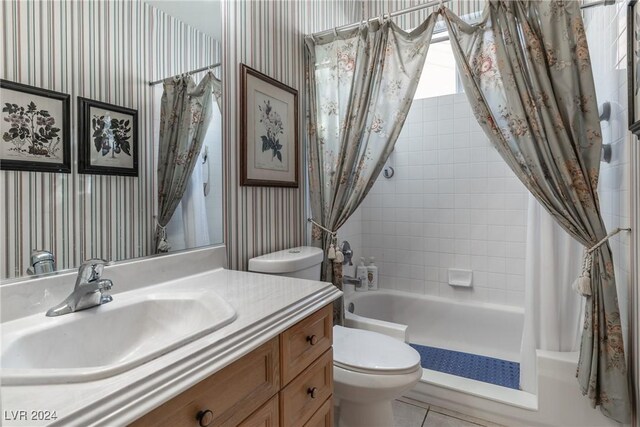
pixel 196 220
pixel 189 226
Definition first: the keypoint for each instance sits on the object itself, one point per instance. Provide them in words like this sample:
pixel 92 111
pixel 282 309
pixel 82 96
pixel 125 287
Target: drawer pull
pixel 204 417
pixel 312 339
pixel 313 392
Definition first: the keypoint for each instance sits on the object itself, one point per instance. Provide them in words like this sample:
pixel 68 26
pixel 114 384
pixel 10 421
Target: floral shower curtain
pixel 527 74
pixel 361 85
pixel 185 115
pixel 216 86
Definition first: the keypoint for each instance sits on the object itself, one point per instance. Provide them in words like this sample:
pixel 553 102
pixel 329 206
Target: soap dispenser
pixel 372 275
pixel 361 273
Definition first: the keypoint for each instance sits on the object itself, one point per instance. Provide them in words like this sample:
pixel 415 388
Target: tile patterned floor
pixel 410 413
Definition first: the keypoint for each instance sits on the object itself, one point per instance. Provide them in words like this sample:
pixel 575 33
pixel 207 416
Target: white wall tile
pixel 453 203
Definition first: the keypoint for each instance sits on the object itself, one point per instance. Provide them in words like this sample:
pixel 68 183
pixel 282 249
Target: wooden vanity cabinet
pixel 226 397
pixel 266 416
pixel 286 382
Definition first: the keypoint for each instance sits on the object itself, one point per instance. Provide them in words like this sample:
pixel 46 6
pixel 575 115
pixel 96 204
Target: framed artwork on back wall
pixel 269 142
pixel 34 130
pixel 107 139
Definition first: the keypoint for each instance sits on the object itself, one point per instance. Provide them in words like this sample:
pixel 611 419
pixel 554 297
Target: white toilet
pixel 370 369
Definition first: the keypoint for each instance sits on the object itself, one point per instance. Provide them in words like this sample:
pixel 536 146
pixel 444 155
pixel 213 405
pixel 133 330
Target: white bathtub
pixel 486 329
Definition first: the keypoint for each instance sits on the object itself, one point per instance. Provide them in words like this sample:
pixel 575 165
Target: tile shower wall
pixel 107 51
pixel 453 203
pixel 607 38
pixel 352 229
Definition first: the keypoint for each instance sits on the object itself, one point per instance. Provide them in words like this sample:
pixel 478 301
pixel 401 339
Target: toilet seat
pixel 369 352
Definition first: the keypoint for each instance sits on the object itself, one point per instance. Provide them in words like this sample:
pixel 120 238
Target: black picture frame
pixel 633 66
pixel 51 124
pixel 121 139
pixel 251 82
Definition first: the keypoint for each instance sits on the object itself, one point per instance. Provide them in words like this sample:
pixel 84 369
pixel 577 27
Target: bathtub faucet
pixel 348 280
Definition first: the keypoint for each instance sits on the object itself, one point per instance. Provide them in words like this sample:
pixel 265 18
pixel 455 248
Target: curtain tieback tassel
pixel 335 254
pixel 163 245
pixel 582 284
pixel 331 254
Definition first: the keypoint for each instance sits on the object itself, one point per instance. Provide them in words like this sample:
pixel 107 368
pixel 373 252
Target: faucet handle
pixel 105 285
pixel 91 270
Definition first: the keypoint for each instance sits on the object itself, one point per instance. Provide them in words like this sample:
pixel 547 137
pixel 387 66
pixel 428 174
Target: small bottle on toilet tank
pixel 372 275
pixel 361 273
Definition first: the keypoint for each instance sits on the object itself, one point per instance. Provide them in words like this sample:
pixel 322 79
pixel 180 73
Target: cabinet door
pixel 307 392
pixel 323 416
pixel 304 342
pixel 226 397
pixel 267 416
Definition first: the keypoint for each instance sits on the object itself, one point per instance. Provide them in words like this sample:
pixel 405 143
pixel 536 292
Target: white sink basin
pixel 110 339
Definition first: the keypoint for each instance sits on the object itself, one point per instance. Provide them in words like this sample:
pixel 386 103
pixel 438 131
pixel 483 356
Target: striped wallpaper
pixel 268 36
pixel 107 51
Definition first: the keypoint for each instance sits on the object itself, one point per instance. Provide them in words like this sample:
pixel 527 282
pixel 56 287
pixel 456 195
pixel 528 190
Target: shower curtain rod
pixel 208 67
pixel 390 15
pixel 424 6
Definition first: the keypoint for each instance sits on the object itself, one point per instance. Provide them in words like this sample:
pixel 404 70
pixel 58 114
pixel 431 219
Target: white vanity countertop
pixel 265 305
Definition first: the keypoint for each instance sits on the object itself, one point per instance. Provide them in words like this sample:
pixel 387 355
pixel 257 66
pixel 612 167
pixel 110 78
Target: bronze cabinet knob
pixel 313 392
pixel 204 417
pixel 312 339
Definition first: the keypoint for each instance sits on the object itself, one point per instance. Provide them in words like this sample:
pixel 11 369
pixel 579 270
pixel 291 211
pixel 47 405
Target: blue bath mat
pixel 479 368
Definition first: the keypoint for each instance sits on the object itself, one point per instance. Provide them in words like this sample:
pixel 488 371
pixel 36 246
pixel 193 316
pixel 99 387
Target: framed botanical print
pixel 34 129
pixel 107 139
pixel 269 142
pixel 633 65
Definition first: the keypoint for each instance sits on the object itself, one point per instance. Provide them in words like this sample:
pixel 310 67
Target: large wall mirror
pixel 106 52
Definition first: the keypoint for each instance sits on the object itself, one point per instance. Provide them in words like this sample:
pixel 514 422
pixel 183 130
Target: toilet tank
pixel 302 262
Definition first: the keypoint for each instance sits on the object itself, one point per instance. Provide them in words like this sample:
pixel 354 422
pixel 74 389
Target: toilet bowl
pixel 370 369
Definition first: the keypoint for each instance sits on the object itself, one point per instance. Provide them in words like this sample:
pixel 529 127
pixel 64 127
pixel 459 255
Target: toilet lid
pixel 371 352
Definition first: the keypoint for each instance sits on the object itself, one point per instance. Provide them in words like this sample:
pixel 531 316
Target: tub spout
pixel 352 280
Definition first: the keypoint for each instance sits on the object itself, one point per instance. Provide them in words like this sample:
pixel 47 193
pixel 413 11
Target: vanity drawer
pixel 323 416
pixel 230 394
pixel 304 342
pixel 306 393
pixel 267 416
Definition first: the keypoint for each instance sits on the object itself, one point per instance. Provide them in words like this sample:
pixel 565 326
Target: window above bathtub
pixel 440 73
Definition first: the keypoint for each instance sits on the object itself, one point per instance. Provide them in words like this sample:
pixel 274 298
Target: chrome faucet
pixel 352 280
pixel 346 250
pixel 41 262
pixel 89 290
